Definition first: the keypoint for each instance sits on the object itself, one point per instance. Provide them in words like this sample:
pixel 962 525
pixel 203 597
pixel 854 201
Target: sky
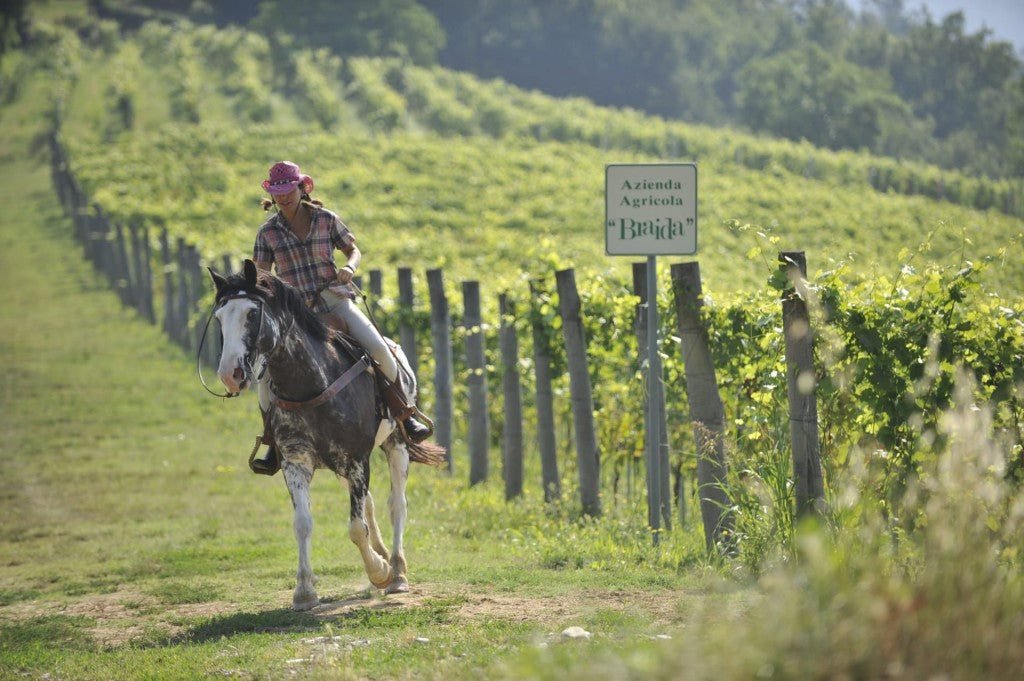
pixel 1005 18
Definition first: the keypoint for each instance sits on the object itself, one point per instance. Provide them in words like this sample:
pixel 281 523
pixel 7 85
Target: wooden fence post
pixel 809 486
pixel 182 304
pixel 706 410
pixel 198 287
pixel 83 225
pixel 195 288
pixel 376 293
pixel 376 283
pixel 476 380
pixel 138 285
pixel 587 454
pixel 58 171
pixel 80 214
pixel 440 328
pixel 89 230
pixel 121 275
pixel 406 330
pixel 170 325
pixel 149 307
pixel 102 235
pixel 545 403
pixel 512 403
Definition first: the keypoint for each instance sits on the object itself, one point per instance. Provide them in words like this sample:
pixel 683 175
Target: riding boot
pixel 416 431
pixel 270 462
pixel 400 408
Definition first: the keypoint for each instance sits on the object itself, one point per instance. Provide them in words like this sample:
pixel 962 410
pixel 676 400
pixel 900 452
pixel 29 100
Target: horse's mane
pixel 277 293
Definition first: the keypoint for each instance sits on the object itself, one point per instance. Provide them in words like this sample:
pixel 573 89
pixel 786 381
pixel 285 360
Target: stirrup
pixel 268 465
pixel 420 418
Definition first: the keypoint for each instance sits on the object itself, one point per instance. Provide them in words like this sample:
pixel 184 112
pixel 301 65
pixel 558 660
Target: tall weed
pixel 947 601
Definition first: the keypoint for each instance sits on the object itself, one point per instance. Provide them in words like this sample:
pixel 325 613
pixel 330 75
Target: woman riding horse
pixel 299 241
pixel 323 414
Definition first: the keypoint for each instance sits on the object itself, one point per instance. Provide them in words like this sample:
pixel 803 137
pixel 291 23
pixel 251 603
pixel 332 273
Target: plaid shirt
pixel 306 265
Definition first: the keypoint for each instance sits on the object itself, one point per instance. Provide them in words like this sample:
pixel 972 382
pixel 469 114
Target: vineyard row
pixel 393 95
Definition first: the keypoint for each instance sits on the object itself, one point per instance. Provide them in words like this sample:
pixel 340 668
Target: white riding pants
pixel 360 328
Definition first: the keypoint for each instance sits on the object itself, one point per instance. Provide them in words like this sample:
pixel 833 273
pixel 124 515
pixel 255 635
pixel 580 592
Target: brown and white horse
pixel 324 412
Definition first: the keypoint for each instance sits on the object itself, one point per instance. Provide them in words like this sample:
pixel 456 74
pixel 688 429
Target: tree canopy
pixel 885 80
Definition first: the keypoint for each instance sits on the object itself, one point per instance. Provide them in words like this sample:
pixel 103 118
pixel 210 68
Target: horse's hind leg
pixel 398 460
pixel 377 568
pixel 298 479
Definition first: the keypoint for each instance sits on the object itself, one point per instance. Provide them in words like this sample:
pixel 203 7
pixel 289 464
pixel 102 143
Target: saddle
pixel 335 323
pixel 270 463
pixel 393 396
pixel 390 399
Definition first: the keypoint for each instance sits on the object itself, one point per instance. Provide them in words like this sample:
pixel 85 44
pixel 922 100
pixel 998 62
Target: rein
pixel 362 364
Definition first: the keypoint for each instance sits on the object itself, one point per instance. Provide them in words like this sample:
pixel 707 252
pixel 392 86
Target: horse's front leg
pixel 297 478
pixel 398 460
pixel 377 568
pixel 376 541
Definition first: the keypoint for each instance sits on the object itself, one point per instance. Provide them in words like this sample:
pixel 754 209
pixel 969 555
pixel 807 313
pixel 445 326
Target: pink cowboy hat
pixel 286 176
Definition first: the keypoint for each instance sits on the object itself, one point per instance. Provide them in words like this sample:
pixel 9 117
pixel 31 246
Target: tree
pixel 13 24
pixel 892 15
pixel 356 27
pixel 1015 127
pixel 806 93
pixel 944 73
pixel 827 23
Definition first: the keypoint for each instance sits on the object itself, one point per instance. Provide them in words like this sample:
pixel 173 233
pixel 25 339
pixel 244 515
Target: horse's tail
pixel 428 453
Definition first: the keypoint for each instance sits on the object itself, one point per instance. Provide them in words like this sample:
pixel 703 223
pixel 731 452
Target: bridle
pixel 361 364
pixel 249 356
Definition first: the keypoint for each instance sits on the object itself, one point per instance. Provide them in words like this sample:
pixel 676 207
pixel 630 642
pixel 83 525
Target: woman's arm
pixel 352 258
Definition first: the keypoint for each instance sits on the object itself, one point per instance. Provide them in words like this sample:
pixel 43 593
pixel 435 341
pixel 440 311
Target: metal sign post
pixel 651 209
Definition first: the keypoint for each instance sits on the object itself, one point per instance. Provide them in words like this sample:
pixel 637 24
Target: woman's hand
pixel 345 274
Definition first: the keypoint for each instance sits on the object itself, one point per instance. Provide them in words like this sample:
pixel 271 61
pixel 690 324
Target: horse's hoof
pixel 304 605
pixel 399 585
pixel 306 602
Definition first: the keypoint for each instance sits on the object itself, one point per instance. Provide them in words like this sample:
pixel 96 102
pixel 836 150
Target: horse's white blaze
pixel 232 317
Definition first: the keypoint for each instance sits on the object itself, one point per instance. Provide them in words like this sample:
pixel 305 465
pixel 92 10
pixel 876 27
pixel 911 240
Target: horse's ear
pixel 218 281
pixel 250 272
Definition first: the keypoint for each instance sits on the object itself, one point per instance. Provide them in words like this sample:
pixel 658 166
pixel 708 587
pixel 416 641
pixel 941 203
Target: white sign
pixel 650 208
